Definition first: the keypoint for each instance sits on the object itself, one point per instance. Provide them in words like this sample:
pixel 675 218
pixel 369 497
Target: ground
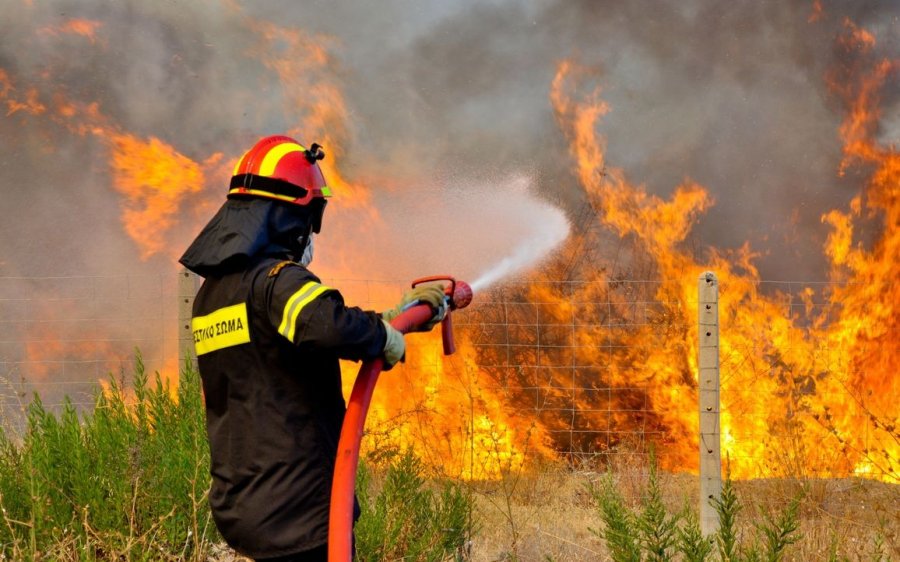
pixel 550 514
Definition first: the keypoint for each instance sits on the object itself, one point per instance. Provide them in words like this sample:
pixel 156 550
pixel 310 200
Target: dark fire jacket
pixel 268 340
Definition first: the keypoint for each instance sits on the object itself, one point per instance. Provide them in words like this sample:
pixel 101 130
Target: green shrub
pixel 658 530
pixel 727 508
pixel 125 481
pixel 649 533
pixel 630 534
pixel 128 481
pixel 780 531
pixel 408 519
pixel 619 531
pixel 691 542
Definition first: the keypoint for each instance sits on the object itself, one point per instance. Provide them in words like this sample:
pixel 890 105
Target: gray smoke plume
pixel 731 95
pixel 446 101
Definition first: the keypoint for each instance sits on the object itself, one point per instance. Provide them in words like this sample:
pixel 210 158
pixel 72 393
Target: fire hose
pixel 340 522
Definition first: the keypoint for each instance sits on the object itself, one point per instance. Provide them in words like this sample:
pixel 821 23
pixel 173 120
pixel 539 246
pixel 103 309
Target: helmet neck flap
pixel 276 200
pixel 245 230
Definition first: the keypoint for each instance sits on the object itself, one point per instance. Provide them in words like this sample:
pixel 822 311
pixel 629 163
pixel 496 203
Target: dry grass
pixel 845 516
pixel 553 514
pixel 547 513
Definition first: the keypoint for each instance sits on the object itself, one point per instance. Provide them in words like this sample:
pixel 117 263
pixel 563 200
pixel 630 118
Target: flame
pixel 448 411
pixel 313 100
pixel 440 406
pixel 66 348
pixel 817 13
pixel 867 327
pixel 153 178
pixel 305 69
pixel 29 104
pixel 810 390
pixel 80 27
pixel 47 349
pixel 785 387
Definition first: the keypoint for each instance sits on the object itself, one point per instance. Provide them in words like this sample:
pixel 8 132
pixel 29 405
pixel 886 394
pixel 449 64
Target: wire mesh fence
pixel 61 336
pixel 547 351
pixel 610 368
pixel 583 370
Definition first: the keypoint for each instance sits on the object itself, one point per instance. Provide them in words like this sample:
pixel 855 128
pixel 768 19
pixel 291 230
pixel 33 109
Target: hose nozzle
pixel 459 295
pixel 462 295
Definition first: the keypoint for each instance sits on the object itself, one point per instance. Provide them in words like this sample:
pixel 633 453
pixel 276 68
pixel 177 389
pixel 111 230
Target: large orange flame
pixel 585 366
pixel 809 397
pixel 153 178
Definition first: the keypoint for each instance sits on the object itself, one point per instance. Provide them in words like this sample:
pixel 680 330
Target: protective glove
pixel 394 346
pixel 432 294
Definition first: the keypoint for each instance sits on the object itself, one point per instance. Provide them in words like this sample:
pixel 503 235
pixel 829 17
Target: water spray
pixel 340 522
pixel 532 249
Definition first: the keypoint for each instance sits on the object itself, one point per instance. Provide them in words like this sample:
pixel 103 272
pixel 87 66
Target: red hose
pixel 340 522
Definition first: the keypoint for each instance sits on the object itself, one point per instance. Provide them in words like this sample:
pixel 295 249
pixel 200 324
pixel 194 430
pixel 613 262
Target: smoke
pixel 437 120
pixel 478 230
pixel 730 95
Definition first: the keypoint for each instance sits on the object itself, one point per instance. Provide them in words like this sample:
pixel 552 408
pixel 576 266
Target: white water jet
pixel 550 230
pixel 471 229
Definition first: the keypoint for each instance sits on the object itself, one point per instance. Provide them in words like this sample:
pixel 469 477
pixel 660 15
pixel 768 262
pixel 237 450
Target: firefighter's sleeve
pixel 313 315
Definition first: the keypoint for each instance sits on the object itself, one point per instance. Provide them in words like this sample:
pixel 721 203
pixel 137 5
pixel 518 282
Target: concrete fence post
pixel 188 283
pixel 708 367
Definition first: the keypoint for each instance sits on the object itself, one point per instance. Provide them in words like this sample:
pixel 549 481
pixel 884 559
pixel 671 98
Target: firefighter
pixel 268 336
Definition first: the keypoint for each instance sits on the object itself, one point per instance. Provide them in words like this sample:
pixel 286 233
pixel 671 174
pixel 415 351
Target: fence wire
pixel 61 336
pixel 595 369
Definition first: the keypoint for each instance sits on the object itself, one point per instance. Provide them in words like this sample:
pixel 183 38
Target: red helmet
pixel 278 167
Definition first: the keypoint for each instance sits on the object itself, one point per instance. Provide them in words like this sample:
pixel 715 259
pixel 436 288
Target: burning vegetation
pixel 806 387
pixel 586 354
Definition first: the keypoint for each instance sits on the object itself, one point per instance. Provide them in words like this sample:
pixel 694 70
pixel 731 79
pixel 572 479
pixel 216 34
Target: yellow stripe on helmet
pixel 274 156
pixel 260 193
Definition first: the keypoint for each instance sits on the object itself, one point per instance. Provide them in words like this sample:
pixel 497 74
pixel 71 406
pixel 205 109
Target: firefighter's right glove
pixel 394 346
pixel 433 295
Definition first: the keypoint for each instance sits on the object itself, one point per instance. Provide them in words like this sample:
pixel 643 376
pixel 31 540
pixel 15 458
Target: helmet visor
pixel 316 210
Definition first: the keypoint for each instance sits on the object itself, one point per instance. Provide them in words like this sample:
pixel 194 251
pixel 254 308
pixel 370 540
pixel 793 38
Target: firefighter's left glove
pixel 394 346
pixel 433 295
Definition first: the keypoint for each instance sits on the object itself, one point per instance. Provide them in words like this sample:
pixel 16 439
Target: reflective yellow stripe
pixel 267 168
pixel 262 193
pixel 295 304
pixel 326 191
pixel 223 328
